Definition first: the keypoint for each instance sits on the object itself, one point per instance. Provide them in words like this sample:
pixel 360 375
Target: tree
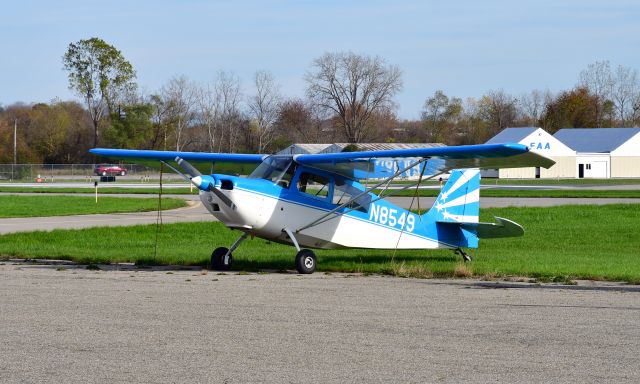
pixel 440 115
pixel 531 106
pixel 227 87
pixel 571 109
pixel 597 79
pixel 100 75
pixel 264 106
pixel 625 90
pixel 297 121
pixel 179 98
pixel 131 128
pixel 353 87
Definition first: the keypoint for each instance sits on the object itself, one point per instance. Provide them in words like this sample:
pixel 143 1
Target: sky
pixel 464 48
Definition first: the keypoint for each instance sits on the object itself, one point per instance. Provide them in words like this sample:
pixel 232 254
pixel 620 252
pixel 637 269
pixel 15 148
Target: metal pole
pixel 15 140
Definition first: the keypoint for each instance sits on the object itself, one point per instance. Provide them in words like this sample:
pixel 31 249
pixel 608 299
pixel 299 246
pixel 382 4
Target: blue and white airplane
pixel 316 201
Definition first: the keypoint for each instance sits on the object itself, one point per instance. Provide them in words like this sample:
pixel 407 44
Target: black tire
pixel 217 259
pixel 306 262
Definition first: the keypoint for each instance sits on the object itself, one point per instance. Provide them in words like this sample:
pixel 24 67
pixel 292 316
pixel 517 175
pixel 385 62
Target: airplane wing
pixel 224 162
pixel 379 164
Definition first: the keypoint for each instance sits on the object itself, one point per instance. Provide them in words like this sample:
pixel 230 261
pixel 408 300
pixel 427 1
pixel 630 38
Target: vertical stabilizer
pixel 459 199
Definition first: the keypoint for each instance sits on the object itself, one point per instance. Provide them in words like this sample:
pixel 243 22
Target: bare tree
pixel 353 87
pixel 210 109
pixel 264 107
pixel 625 90
pixel 532 105
pixel 598 80
pixel 227 88
pixel 179 96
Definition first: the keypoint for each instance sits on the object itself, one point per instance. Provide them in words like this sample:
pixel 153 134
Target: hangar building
pixel 538 140
pixel 604 152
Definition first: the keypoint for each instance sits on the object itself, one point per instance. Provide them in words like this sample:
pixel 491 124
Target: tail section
pixel 459 200
pixel 456 213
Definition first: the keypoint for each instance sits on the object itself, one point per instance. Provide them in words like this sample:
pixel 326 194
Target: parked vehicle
pixel 109 170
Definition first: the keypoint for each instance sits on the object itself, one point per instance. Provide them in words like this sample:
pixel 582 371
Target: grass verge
pixel 40 206
pixel 561 243
pixel 571 193
pixel 101 190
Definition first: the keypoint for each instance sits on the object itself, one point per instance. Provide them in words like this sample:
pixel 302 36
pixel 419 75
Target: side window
pixel 314 185
pixel 344 192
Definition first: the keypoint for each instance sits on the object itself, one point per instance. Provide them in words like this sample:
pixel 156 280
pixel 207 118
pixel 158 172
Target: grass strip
pixel 561 243
pixel 101 190
pixel 533 193
pixel 40 206
pixel 571 193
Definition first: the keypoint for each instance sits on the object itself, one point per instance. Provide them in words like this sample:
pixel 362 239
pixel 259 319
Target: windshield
pixel 275 168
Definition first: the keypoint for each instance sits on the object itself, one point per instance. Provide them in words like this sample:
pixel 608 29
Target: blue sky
pixel 462 47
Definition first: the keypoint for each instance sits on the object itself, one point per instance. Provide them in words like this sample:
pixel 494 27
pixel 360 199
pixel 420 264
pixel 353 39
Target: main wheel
pixel 104 173
pixel 123 173
pixel 217 259
pixel 306 261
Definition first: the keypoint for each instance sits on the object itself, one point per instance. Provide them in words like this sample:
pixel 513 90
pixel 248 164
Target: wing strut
pixel 326 217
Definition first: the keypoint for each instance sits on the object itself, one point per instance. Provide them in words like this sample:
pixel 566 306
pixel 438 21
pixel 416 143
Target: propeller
pixel 203 182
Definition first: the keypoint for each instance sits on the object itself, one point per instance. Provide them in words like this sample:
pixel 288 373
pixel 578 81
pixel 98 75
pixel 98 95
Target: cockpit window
pixel 277 169
pixel 314 185
pixel 345 192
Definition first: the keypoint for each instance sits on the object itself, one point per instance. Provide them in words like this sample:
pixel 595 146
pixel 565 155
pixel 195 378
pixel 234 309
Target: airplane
pixel 317 201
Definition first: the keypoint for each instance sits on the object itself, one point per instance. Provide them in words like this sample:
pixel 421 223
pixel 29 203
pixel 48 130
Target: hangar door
pixel 593 169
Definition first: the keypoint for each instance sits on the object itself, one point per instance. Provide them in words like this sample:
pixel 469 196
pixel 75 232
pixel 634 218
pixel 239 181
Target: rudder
pixel 459 199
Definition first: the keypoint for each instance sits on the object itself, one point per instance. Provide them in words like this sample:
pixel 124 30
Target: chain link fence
pixel 62 172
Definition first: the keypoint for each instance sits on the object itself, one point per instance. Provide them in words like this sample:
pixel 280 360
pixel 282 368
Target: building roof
pixel 297 149
pixel 595 140
pixel 339 147
pixel 511 135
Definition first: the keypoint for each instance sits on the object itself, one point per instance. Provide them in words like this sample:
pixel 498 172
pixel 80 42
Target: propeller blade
pixel 188 168
pixel 203 182
pixel 223 198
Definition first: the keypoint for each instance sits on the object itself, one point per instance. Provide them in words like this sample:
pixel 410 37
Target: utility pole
pixel 15 140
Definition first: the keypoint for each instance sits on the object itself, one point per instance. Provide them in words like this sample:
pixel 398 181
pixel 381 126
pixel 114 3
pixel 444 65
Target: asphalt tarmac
pixel 67 324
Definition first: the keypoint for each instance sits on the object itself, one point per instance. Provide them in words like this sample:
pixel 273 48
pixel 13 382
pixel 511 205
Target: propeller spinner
pixel 203 182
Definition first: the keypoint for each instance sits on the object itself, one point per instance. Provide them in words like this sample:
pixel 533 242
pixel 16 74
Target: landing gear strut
pixel 464 255
pixel 222 259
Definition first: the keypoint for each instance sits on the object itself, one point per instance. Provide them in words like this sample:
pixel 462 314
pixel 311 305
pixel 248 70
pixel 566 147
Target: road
pixel 72 325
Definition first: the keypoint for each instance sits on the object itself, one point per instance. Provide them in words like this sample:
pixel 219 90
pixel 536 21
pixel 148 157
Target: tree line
pixel 349 98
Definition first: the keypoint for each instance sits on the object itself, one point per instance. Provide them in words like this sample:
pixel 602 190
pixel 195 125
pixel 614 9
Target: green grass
pixel 561 181
pixel 535 193
pixel 560 244
pixel 570 193
pixel 556 181
pixel 40 206
pixel 101 190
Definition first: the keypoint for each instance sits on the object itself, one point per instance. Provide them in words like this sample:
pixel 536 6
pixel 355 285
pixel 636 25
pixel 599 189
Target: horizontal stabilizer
pixel 503 228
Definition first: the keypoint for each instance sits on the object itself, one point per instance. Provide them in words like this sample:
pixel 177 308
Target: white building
pixel 604 152
pixel 538 140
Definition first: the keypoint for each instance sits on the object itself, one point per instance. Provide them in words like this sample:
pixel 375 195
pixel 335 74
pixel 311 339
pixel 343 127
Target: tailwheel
pixel 218 260
pixel 305 262
pixel 465 256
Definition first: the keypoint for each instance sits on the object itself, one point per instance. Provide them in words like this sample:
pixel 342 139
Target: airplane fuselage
pixel 264 209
